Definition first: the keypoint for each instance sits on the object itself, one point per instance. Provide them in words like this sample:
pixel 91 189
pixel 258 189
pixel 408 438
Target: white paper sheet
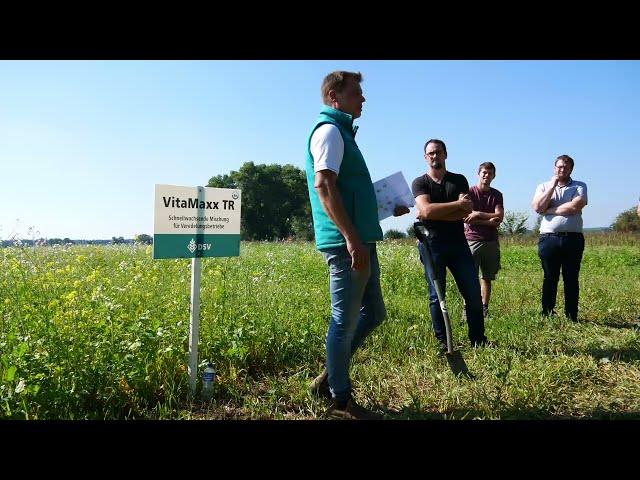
pixel 391 191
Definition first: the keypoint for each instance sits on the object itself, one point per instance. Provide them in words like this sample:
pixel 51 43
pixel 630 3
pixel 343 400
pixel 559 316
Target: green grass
pixel 90 332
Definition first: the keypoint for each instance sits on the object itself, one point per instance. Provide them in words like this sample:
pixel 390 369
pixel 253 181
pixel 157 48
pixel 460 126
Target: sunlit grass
pixel 101 332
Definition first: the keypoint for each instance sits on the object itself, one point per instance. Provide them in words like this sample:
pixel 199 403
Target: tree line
pixel 275 206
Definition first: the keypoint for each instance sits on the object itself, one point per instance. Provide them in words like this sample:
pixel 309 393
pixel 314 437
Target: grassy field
pixel 90 332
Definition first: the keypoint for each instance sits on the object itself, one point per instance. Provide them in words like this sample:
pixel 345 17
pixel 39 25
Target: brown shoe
pixel 351 411
pixel 320 385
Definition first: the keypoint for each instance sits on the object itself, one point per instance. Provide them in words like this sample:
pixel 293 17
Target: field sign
pixel 195 222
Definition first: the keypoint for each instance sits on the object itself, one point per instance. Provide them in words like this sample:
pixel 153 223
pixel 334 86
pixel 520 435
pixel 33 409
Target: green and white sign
pixel 193 222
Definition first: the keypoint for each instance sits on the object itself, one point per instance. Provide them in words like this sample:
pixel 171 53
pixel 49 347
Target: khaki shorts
pixel 486 255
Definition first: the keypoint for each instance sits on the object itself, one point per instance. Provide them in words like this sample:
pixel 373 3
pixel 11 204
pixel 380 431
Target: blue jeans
pixel 357 308
pixel 556 252
pixel 457 257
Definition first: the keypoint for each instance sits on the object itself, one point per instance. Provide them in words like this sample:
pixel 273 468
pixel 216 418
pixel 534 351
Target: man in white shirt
pixel 561 243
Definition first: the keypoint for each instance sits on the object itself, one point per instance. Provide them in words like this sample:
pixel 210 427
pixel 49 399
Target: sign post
pixel 196 222
pixel 194 322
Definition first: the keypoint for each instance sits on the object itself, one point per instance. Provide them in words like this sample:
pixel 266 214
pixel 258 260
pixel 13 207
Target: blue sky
pixel 82 143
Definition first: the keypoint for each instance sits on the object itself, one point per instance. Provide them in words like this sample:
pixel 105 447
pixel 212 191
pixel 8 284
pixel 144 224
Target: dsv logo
pixel 193 246
pixel 235 195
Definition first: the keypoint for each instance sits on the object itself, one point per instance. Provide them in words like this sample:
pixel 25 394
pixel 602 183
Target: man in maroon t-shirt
pixel 481 228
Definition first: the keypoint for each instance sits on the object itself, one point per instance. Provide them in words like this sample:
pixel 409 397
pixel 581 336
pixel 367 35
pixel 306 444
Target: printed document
pixel 391 191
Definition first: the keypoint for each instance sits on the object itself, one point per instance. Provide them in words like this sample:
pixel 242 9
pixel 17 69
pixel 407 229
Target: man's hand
pixel 359 255
pixel 470 217
pixel 554 181
pixel 400 210
pixel 495 222
pixel 466 205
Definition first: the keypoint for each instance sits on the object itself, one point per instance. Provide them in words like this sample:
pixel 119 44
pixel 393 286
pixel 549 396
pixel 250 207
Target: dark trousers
pixel 457 257
pixel 561 251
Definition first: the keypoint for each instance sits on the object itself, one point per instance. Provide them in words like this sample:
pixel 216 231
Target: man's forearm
pixel 485 215
pixel 541 203
pixel 482 222
pixel 573 207
pixel 442 211
pixel 566 209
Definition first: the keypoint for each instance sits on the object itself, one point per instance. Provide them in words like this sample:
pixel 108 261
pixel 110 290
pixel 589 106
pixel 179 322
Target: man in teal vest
pixel 345 219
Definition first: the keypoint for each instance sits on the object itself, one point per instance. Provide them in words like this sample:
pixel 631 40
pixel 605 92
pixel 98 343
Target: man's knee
pixel 472 294
pixel 475 302
pixel 552 276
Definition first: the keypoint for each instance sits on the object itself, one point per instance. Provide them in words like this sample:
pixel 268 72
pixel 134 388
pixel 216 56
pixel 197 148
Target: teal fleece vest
pixel 354 184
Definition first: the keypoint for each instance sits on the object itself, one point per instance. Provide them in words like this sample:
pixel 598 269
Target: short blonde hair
pixel 337 81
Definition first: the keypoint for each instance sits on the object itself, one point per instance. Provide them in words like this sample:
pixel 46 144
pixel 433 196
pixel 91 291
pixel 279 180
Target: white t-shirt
pixel 327 148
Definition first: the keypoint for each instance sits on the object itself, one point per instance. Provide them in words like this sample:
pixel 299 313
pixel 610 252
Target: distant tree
pixel 67 240
pixel 117 240
pixel 393 234
pixel 275 201
pixel 536 228
pixel 143 238
pixel 627 221
pixel 514 223
pixel 55 241
pixel 411 232
pixel 302 227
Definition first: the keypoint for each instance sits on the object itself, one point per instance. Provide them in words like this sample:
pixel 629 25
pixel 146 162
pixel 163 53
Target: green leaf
pixel 22 349
pixel 11 373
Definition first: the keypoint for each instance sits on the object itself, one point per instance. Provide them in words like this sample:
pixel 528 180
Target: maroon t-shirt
pixel 483 202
